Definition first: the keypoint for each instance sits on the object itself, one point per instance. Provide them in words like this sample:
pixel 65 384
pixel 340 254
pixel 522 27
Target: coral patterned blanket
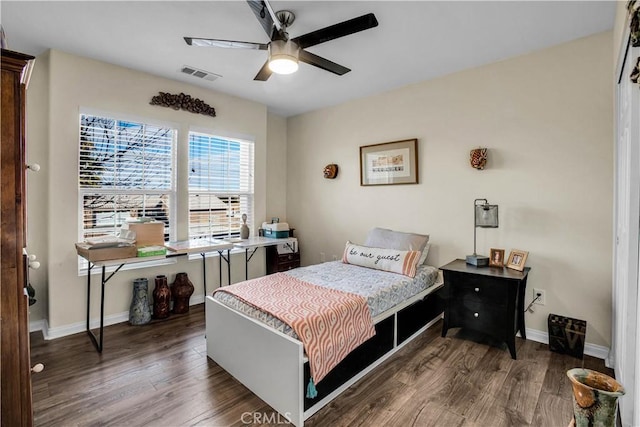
pixel 330 323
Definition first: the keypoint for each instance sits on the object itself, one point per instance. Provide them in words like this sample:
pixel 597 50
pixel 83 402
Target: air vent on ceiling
pixel 201 74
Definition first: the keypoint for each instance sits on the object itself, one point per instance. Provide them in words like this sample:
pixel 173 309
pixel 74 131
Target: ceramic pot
pixel 181 291
pixel 244 231
pixel 244 228
pixel 161 298
pixel 595 398
pixel 139 312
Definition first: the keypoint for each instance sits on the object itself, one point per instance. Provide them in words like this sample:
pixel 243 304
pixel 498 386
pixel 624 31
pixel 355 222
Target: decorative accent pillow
pixel 392 260
pixel 389 239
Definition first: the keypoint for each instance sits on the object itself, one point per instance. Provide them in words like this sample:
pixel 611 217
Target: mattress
pixel 382 290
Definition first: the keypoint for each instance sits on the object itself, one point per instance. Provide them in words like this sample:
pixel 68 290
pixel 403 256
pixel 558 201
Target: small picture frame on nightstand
pixel 496 258
pixel 517 259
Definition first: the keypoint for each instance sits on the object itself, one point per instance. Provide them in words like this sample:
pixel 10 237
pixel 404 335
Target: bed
pixel 266 355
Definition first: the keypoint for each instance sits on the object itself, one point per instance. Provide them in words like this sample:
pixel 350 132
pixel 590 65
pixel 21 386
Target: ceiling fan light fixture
pixel 283 57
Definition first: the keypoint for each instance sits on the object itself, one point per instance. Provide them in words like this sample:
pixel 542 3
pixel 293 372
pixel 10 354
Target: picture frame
pixel 389 163
pixel 496 258
pixel 517 259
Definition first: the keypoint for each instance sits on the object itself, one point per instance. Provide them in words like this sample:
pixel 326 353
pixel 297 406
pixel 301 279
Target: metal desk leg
pixel 227 259
pixel 88 292
pixel 247 258
pixel 204 275
pixel 103 281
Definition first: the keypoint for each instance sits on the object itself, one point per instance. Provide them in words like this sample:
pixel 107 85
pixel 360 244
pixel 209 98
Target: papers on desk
pixel 125 238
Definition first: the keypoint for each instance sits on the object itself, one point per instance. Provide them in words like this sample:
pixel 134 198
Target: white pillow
pixel 389 239
pixel 425 253
pixel 393 260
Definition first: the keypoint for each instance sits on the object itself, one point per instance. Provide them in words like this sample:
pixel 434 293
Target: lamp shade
pixel 486 216
pixel 283 57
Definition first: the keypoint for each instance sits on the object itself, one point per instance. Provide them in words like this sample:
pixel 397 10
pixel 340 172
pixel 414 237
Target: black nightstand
pixel 486 299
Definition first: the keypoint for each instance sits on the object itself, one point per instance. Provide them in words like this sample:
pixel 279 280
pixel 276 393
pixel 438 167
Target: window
pixel 125 171
pixel 220 185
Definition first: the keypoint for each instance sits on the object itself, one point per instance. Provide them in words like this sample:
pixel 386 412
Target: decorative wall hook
pixel 478 158
pixel 331 171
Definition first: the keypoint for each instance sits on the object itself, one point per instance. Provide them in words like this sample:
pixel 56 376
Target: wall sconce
pixel 484 216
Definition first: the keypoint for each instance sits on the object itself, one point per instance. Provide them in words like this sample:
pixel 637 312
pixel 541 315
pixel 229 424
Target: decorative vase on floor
pixel 161 298
pixel 595 398
pixel 181 291
pixel 139 312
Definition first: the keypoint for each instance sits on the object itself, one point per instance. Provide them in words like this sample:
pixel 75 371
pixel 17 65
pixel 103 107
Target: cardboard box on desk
pixel 147 233
pixel 105 254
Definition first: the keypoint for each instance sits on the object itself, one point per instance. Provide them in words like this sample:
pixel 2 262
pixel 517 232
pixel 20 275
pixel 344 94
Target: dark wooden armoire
pixel 15 368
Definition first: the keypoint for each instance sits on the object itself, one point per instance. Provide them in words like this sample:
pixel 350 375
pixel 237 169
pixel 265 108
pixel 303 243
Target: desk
pixel 201 246
pixel 253 243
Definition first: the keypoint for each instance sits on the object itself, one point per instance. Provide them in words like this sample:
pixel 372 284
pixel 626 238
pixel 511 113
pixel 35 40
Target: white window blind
pixel 125 171
pixel 220 185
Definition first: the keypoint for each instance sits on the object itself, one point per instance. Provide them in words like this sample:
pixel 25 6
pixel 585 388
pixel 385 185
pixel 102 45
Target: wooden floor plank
pixel 159 375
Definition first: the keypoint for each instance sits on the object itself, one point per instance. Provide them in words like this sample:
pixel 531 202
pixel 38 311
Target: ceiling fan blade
pixel 264 73
pixel 335 31
pixel 229 44
pixel 265 14
pixel 321 62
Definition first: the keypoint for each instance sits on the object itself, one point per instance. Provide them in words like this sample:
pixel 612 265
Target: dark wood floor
pixel 159 375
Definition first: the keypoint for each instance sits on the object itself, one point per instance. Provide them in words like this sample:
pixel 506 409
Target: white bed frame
pixel 271 364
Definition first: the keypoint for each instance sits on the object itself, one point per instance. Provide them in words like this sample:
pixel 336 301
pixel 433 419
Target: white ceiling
pixel 415 40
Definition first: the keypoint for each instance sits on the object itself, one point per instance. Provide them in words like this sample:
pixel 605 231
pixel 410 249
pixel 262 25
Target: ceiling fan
pixel 284 53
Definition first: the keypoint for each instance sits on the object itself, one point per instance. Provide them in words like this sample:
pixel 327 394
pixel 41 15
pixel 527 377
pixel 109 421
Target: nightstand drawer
pixel 477 288
pixel 288 265
pixel 480 317
pixel 283 258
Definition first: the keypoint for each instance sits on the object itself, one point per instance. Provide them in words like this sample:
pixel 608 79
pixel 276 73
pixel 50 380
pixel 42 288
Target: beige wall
pixel 65 83
pixel 277 173
pixel 546 118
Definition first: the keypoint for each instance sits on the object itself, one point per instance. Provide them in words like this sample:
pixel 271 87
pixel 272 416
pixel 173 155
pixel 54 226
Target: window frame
pixel 249 194
pixel 171 192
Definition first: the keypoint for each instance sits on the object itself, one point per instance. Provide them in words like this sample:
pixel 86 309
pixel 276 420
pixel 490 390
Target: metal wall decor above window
pixel 182 101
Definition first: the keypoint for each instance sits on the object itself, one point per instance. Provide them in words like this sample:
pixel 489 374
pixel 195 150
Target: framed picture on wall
pixel 517 259
pixel 496 258
pixel 389 163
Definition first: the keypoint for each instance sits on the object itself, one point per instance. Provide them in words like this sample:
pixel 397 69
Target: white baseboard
pixel 74 328
pixel 593 350
pixel 37 325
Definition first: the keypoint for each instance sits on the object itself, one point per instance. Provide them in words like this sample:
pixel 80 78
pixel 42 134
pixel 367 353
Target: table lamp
pixel 484 216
